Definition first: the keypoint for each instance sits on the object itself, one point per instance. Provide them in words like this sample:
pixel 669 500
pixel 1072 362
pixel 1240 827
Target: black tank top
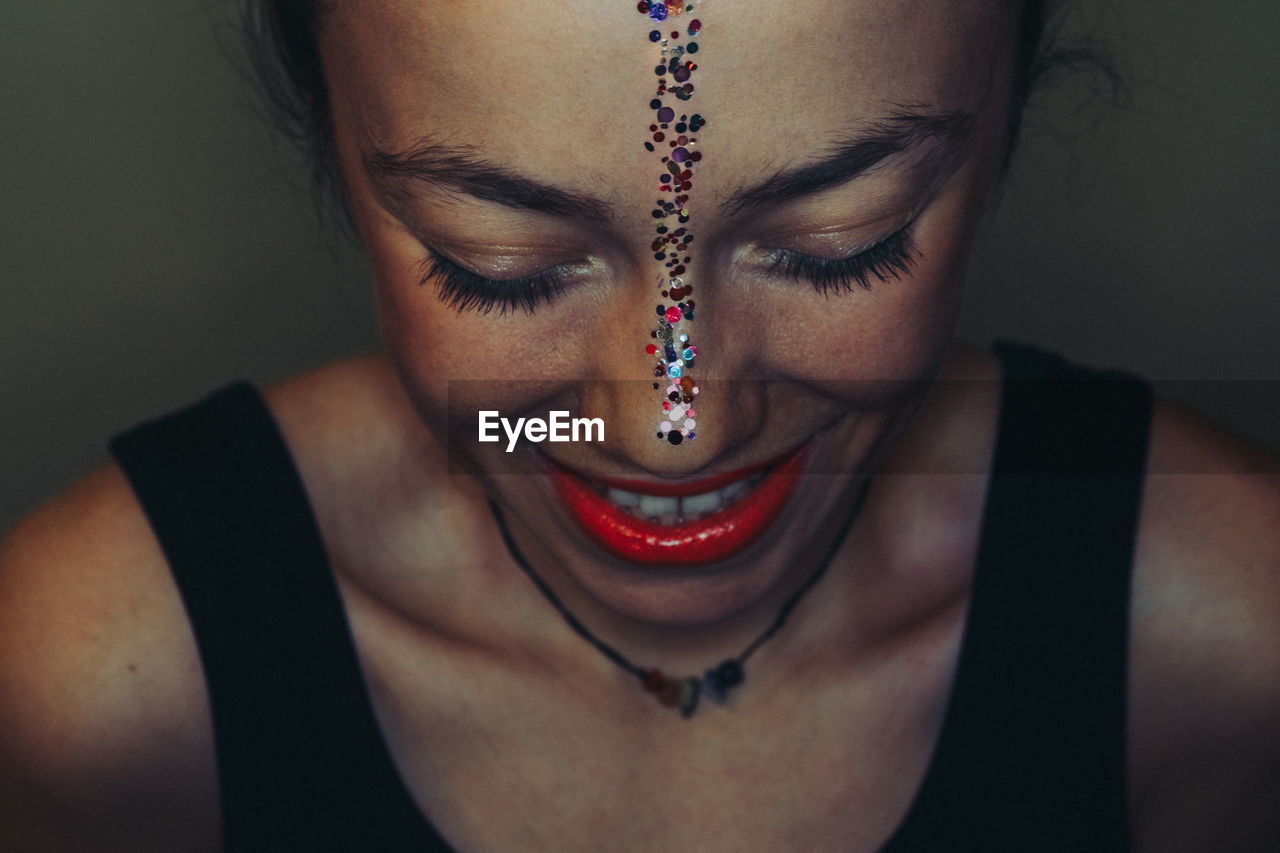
pixel 1031 755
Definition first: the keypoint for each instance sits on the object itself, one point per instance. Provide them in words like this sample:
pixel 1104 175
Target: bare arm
pixel 1205 681
pixel 105 741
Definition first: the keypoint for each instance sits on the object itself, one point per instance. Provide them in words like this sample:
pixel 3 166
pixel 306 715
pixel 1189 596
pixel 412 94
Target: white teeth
pixel 655 506
pixel 670 511
pixel 710 502
pixel 622 498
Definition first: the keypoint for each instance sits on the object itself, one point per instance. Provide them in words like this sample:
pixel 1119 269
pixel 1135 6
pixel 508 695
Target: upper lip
pixel 680 488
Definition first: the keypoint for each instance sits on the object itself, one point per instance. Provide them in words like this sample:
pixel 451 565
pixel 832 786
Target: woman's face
pixel 507 139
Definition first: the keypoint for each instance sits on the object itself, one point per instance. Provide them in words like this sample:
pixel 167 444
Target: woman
pixel 898 649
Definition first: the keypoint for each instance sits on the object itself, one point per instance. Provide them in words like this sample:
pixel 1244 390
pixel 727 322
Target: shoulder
pixel 378 479
pixel 349 424
pixel 105 736
pixel 1205 682
pixel 104 740
pixel 1204 687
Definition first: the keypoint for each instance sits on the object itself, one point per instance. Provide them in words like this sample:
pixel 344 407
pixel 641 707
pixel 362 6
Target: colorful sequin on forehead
pixel 671 138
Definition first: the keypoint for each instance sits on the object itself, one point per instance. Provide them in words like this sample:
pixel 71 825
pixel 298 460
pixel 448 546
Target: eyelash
pixel 893 257
pixel 463 290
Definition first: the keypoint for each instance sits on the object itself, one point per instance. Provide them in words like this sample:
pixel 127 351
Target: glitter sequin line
pixel 672 136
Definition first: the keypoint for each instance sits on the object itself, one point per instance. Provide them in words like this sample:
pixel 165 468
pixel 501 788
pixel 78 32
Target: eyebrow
pixel 460 169
pixel 854 155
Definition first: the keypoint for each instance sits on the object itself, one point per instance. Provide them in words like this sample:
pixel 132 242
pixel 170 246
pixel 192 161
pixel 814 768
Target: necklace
pixel 683 693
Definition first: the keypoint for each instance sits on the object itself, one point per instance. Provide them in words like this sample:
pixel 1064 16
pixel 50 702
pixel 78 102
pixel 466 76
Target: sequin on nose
pixel 674 132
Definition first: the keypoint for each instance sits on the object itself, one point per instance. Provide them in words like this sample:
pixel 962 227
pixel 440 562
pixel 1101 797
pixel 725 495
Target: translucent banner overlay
pixel 1066 426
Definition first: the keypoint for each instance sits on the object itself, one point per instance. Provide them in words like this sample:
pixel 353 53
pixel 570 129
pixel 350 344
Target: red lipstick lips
pixel 707 540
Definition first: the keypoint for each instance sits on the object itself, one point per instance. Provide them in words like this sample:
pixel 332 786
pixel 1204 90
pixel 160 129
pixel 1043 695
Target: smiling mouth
pixel 680 523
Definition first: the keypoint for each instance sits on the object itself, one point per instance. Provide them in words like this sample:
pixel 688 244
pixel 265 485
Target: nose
pixel 637 367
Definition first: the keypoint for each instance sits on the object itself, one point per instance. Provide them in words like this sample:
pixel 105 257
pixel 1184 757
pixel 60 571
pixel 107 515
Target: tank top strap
pixel 1032 750
pixel 302 764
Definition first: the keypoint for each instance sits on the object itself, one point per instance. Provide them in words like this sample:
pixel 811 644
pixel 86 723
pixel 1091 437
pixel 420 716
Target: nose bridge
pixel 711 395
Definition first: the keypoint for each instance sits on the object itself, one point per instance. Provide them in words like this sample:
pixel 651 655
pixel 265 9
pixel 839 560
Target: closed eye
pixel 890 258
pixel 464 290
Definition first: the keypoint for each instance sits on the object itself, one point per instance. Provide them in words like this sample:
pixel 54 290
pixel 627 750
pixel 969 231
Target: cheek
pixel 897 330
pixel 460 363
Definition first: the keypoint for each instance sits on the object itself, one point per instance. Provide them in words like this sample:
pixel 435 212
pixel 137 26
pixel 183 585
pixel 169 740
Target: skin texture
pixel 483 694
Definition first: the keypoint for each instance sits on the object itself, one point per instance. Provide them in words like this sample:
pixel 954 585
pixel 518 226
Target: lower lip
pixel 693 543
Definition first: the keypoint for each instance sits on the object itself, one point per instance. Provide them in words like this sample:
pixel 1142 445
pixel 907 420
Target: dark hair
pixel 281 40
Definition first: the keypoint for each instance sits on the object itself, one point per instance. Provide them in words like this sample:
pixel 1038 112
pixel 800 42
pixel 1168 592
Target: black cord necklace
pixel 683 693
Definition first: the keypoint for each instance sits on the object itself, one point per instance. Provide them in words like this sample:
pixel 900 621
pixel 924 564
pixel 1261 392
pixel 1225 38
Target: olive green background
pixel 156 240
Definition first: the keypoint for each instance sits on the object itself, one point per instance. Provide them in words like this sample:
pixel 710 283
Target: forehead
pixel 559 88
